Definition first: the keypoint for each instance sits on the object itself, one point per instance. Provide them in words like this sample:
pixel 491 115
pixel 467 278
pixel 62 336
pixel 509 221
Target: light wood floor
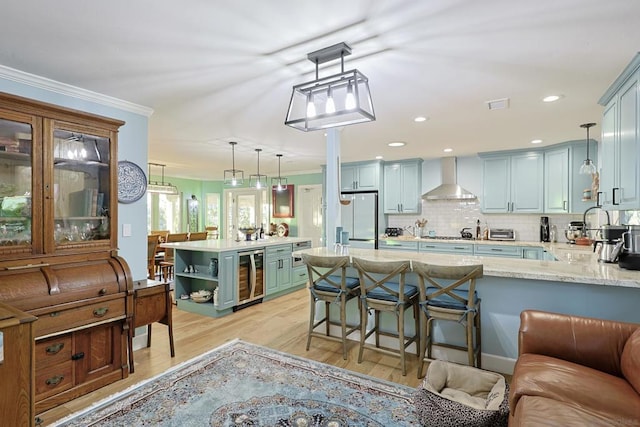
pixel 280 324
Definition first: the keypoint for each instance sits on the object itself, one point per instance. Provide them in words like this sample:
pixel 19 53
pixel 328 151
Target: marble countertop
pixel 576 264
pixel 224 245
pixel 473 241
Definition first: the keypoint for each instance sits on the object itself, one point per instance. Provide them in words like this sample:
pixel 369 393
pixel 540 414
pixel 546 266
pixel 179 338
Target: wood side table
pixel 152 303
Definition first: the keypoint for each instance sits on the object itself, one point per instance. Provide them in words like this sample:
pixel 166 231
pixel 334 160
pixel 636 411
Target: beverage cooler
pixel 250 278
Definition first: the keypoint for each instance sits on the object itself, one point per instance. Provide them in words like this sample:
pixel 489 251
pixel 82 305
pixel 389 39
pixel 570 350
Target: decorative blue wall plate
pixel 132 182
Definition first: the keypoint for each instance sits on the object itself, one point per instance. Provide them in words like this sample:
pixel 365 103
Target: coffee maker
pixel 630 254
pixel 545 231
pixel 610 244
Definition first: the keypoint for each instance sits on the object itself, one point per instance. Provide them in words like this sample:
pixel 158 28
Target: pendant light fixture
pixel 587 167
pixel 233 176
pixel 257 180
pixel 338 100
pixel 160 187
pixel 279 183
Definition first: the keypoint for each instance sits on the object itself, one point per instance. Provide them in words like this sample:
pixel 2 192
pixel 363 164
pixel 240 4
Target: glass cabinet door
pixel 81 186
pixel 16 183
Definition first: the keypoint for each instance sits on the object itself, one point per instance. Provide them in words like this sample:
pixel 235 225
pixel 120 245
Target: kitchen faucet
pixel 584 217
pixel 411 230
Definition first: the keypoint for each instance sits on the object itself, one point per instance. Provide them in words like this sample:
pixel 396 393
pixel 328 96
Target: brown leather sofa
pixel 575 371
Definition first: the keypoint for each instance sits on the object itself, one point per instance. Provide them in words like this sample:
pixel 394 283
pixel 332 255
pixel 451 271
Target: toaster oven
pixel 502 234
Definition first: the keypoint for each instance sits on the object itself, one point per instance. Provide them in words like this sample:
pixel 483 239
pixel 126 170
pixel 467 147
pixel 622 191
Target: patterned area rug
pixel 242 384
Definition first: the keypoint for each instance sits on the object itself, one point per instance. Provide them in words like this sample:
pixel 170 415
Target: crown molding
pixel 73 91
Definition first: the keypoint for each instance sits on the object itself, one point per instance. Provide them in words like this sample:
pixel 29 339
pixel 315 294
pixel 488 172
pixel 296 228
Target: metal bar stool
pixel 442 298
pixel 383 289
pixel 328 283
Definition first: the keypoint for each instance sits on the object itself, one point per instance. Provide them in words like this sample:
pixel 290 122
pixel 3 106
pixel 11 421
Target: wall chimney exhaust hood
pixel 449 189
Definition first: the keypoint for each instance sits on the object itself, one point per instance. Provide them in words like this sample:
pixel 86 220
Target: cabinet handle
pixel 78 356
pixel 598 202
pixel 24 267
pixel 102 291
pixel 54 314
pixel 55 349
pixel 54 380
pixel 496 249
pixel 613 195
pixel 100 312
pixel 458 248
pixel 564 205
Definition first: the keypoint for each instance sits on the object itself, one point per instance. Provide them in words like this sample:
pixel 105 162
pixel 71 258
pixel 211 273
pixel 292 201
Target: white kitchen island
pixel 575 284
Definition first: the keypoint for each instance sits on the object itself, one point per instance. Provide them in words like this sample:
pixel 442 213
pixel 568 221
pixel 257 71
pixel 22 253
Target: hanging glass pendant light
pixel 587 167
pixel 280 183
pixel 338 100
pixel 160 187
pixel 233 176
pixel 257 180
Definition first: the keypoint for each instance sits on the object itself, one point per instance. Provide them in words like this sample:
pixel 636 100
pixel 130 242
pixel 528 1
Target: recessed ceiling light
pixel 536 141
pixel 551 98
pixel 448 150
pixel 379 157
pixel 397 144
pixel 420 119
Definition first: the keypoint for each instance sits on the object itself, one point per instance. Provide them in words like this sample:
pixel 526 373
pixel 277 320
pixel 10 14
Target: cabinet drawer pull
pixel 24 267
pixel 99 312
pixel 54 314
pixel 102 291
pixel 496 249
pixel 55 349
pixel 54 380
pixel 78 356
pixel 458 248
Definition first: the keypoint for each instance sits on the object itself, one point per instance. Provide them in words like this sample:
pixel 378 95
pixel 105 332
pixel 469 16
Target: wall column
pixel 332 218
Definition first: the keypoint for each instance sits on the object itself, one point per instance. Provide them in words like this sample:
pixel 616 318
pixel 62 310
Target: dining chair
pixel 448 293
pixel 169 255
pixel 328 283
pixel 383 289
pixel 152 247
pixel 212 232
pixel 200 235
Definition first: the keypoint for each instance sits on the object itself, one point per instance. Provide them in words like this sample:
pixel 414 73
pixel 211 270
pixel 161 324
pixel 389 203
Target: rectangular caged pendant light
pixel 338 100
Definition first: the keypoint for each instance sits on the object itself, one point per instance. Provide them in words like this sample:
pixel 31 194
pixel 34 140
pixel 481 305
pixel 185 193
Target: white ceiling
pixel 220 71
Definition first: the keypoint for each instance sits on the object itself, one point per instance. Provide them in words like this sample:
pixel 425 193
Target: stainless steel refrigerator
pixel 360 218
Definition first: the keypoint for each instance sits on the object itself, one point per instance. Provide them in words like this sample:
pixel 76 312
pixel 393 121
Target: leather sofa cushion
pixel 535 411
pixel 581 386
pixel 630 360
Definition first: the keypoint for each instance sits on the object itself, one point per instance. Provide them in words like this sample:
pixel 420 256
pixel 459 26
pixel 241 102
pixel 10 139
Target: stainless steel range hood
pixel 449 189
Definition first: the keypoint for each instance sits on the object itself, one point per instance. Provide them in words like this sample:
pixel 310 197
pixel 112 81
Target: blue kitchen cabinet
pixel 360 176
pixel 200 278
pixel 398 245
pixel 532 253
pixel 513 183
pixel 299 275
pixel 447 248
pixel 619 180
pixel 402 187
pixel 556 180
pixel 278 268
pixel 507 251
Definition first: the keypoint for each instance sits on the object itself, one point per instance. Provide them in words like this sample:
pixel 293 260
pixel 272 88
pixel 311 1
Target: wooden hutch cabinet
pixel 58 245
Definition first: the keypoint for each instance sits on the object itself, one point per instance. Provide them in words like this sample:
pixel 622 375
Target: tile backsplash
pixel 448 217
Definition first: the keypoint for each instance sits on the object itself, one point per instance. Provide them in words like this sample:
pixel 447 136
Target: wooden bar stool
pixel 328 283
pixel 383 289
pixel 449 293
pixel 169 254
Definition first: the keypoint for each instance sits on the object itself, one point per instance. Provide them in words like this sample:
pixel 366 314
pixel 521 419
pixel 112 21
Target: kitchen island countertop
pixel 576 264
pixel 225 245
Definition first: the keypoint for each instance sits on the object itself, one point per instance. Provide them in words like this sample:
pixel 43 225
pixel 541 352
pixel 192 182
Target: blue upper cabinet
pixel 556 181
pixel 619 180
pixel 360 176
pixel 513 183
pixel 402 187
pixel 564 186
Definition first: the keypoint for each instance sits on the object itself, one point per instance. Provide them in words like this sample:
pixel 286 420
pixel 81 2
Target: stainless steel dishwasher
pixel 250 278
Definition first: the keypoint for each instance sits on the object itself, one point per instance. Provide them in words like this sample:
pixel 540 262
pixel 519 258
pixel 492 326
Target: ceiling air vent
pixel 498 104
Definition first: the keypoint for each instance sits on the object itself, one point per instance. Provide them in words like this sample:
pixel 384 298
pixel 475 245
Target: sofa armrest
pixel 587 341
